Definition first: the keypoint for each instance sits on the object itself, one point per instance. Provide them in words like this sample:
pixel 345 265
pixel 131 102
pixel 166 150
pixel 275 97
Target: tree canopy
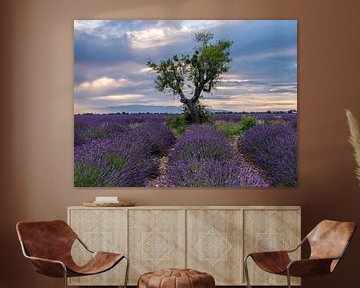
pixel 189 76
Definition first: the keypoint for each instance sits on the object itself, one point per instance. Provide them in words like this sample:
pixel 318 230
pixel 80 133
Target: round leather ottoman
pixel 176 278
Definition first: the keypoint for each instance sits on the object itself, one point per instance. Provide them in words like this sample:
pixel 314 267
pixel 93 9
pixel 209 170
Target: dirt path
pixel 233 142
pixel 160 180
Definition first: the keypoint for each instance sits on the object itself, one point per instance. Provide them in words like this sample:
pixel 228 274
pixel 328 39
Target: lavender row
pixel 123 118
pixel 201 142
pixel 273 149
pixel 123 159
pixel 202 158
pixel 90 127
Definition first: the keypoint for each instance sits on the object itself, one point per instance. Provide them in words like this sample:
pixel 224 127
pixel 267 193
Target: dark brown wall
pixel 36 107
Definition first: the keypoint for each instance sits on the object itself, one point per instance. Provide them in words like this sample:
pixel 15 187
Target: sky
pixel 110 63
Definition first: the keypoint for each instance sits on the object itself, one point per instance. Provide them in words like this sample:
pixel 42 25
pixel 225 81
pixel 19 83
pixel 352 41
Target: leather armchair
pixel 48 245
pixel 328 242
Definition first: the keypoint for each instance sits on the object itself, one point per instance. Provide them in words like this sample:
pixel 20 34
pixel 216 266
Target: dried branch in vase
pixel 354 140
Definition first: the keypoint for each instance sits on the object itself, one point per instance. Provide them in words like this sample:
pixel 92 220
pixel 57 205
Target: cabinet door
pixel 156 240
pixel 214 244
pixel 271 230
pixel 100 230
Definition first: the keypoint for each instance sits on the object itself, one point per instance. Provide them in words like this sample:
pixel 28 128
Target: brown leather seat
pixel 176 278
pixel 328 242
pixel 48 245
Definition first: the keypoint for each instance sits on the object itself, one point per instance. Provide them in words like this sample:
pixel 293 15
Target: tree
pixel 189 76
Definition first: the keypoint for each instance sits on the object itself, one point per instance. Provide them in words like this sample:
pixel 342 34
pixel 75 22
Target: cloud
pixel 234 81
pixel 151 38
pixel 146 70
pixel 284 90
pixel 119 98
pixel 103 83
pixel 90 48
pixel 88 26
pixel 110 60
pixel 254 102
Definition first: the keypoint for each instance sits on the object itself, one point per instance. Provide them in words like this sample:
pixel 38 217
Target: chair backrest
pixel 46 239
pixel 329 239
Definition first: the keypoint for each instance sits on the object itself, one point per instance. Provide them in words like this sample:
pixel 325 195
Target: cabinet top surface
pixel 192 207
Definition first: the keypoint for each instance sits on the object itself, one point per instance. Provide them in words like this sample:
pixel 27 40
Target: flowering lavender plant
pixel 202 158
pixel 124 159
pixel 157 137
pixel 201 141
pixel 213 173
pixel 273 149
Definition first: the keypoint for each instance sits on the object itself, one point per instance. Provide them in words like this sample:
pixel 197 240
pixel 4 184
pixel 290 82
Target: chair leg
pixel 127 271
pixel 288 278
pixel 246 270
pixel 65 276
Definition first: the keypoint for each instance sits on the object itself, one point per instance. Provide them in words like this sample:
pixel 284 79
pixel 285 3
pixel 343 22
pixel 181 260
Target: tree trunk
pixel 194 112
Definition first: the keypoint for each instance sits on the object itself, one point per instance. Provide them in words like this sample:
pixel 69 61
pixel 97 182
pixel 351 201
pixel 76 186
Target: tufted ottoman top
pixel 176 278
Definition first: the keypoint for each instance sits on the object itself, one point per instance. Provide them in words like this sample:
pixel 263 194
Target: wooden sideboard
pixel 212 239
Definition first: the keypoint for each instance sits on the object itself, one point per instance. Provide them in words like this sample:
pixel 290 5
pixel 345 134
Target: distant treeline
pixel 224 112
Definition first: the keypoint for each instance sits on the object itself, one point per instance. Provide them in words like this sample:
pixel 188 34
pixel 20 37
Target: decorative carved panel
pixel 214 241
pixel 101 230
pixel 270 230
pixel 156 240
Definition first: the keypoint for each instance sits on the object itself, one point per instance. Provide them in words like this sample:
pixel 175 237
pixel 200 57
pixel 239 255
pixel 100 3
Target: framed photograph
pixel 185 103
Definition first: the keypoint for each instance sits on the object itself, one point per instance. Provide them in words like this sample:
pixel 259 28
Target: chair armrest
pixel 280 251
pixel 309 267
pixel 270 252
pixel 83 244
pixel 298 246
pixel 45 260
pixel 48 267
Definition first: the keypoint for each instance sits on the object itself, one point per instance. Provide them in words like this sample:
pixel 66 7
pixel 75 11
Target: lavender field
pixel 155 150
